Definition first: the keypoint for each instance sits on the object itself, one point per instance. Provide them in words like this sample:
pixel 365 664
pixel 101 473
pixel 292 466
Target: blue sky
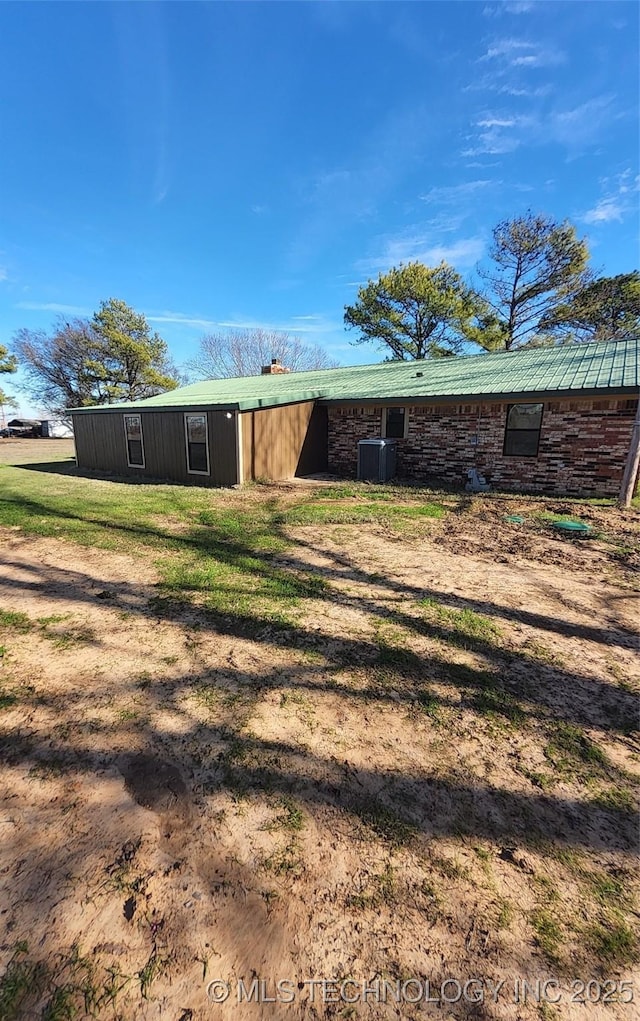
pixel 251 164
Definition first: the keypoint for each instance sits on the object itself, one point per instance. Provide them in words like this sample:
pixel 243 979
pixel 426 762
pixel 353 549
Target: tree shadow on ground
pixel 172 773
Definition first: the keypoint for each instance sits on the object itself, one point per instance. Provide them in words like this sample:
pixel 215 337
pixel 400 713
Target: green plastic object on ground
pixel 514 519
pixel 575 527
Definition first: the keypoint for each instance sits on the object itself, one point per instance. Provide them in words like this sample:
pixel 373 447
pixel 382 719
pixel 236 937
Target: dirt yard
pixel 419 770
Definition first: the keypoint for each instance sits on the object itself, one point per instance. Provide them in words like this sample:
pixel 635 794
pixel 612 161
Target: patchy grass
pixel 22 980
pixel 617 799
pixel 460 627
pixel 375 890
pixel 337 742
pixel 491 700
pixel 48 627
pixel 548 934
pixel 379 512
pixel 385 823
pixel 290 817
pixel 504 913
pixel 15 621
pixel 613 942
pixel 573 754
pixel 74 987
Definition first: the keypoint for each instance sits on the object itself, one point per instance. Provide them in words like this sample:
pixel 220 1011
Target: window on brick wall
pixel 394 423
pixel 522 433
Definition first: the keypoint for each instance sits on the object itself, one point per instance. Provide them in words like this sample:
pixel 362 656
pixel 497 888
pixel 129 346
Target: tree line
pixel 536 289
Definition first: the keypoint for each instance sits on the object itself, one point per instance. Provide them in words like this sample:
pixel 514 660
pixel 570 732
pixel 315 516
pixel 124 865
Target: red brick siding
pixel 583 444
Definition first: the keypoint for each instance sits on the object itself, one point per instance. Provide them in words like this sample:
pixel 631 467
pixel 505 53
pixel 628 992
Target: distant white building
pixel 56 429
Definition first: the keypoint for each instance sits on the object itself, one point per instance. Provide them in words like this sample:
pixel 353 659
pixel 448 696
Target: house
pixel 552 419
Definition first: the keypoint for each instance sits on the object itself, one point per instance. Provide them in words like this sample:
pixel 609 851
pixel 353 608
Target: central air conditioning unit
pixel 376 460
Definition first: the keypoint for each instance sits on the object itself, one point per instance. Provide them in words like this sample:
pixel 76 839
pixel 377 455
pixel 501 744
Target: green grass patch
pixel 16 621
pixel 615 799
pixel 74 987
pixel 504 915
pixel 461 627
pixel 548 934
pixel 573 754
pixel 386 824
pixel 290 817
pixel 380 511
pixel 613 942
pixel 22 980
pixel 7 700
pixel 47 627
pixel 429 704
pixel 378 889
pixel 490 699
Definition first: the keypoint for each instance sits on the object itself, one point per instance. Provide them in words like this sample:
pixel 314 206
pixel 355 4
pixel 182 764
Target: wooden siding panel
pixel 82 440
pixel 222 448
pixel 246 419
pixel 314 455
pixel 101 446
pixel 282 442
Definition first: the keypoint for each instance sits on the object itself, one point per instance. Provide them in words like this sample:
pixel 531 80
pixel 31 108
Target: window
pixel 197 444
pixel 135 448
pixel 394 423
pixel 522 434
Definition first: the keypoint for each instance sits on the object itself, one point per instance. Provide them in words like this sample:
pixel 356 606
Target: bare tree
pixel 231 353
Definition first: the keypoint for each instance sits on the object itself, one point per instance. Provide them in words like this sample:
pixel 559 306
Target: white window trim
pixel 383 423
pixel 195 414
pixel 126 440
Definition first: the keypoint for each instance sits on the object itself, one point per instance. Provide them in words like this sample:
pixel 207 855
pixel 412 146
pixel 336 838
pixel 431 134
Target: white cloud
pixel 315 324
pixel 295 324
pixel 495 82
pixel 605 211
pixel 579 124
pixel 53 306
pixel 422 248
pixel 497 122
pixel 4 273
pixel 499 133
pixel 528 93
pixel 456 192
pixel 477 165
pixel 517 7
pixel 523 53
pixel 618 201
pixel 181 319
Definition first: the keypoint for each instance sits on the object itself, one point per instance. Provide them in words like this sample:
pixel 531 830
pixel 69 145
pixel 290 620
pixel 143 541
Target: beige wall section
pixel 246 433
pixel 101 445
pixel 279 443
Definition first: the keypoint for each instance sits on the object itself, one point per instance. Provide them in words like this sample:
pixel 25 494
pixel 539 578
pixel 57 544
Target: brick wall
pixel 583 444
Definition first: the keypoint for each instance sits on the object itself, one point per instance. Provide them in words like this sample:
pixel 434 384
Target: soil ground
pixel 426 770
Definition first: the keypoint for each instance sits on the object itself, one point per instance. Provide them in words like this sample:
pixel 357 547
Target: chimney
pixel 274 369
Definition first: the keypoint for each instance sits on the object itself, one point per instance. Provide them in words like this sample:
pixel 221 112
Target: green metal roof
pixel 575 368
